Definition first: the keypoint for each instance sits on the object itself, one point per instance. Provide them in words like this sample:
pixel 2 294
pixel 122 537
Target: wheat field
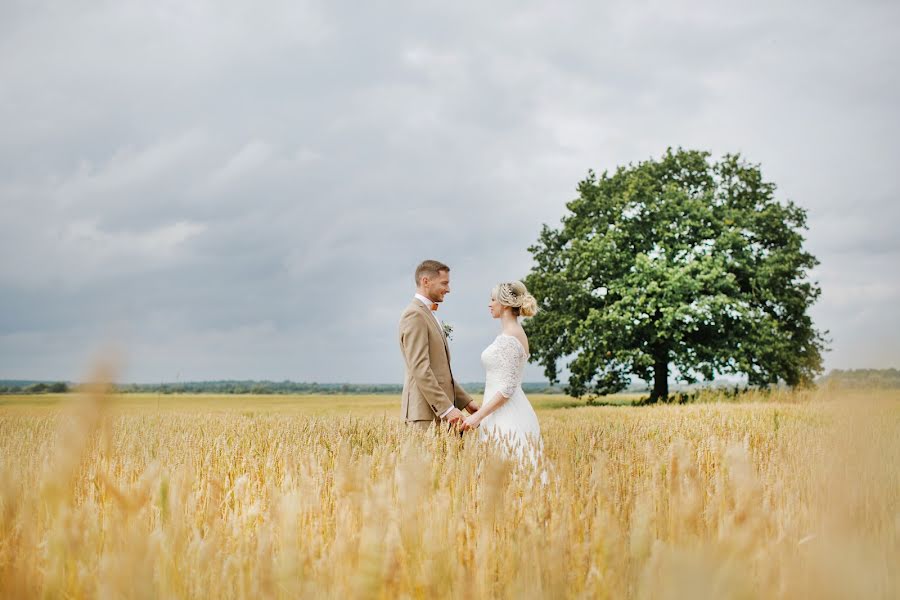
pixel 793 495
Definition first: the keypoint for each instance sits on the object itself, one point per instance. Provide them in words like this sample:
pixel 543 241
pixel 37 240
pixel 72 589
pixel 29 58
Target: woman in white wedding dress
pixel 506 414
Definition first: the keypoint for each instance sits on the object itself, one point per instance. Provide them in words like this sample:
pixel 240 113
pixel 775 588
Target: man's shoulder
pixel 411 312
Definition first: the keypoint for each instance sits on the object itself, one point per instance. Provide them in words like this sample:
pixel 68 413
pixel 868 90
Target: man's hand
pixel 472 408
pixel 454 417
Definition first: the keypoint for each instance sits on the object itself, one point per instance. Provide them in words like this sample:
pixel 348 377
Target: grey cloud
pixel 233 191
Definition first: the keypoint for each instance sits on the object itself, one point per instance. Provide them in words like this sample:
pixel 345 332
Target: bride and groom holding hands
pixel 431 394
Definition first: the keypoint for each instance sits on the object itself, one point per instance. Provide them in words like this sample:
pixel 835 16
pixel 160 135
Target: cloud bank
pixel 235 190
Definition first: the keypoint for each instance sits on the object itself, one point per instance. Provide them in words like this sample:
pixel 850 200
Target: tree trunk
pixel 660 378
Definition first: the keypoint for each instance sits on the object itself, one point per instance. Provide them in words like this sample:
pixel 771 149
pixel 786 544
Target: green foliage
pixel 675 262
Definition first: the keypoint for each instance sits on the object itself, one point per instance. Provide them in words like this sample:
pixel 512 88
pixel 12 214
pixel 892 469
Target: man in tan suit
pixel 430 393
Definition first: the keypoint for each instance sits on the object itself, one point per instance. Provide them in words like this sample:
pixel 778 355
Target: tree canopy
pixel 679 262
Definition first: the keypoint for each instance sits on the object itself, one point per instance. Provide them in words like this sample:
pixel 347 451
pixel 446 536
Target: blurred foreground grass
pixel 145 496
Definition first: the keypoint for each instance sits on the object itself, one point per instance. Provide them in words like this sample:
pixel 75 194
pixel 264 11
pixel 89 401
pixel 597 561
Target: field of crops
pixel 794 495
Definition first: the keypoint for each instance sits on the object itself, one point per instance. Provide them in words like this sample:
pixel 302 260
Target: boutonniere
pixel 448 329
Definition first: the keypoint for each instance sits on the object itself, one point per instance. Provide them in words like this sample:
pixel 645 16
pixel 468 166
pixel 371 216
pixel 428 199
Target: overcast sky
pixel 232 190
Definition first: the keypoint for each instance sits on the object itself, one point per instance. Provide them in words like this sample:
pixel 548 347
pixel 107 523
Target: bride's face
pixel 496 308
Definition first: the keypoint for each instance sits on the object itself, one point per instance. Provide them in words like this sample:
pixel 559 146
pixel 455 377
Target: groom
pixel 430 393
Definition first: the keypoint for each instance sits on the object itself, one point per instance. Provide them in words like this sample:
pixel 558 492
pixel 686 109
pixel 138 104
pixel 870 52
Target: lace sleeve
pixel 510 358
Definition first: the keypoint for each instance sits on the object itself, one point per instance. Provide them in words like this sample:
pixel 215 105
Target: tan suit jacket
pixel 429 388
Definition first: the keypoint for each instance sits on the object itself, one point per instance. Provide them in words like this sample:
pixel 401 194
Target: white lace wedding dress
pixel 515 423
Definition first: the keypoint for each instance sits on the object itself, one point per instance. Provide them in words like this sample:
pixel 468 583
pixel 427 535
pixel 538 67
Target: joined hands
pixel 471 422
pixel 456 418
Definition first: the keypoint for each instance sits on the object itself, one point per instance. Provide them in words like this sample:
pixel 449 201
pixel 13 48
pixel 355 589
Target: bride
pixel 506 413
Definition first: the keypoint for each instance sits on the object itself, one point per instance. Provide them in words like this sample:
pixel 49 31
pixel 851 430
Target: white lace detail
pixel 504 360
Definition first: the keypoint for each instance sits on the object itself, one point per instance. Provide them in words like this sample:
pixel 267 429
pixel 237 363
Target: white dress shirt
pixel 427 302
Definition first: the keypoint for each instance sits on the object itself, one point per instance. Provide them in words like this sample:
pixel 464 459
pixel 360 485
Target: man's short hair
pixel 431 268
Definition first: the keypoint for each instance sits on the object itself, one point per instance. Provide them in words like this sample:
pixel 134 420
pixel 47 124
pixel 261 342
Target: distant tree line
pixel 258 387
pixel 40 387
pixel 248 387
pixel 839 378
pixel 862 378
pixel 293 387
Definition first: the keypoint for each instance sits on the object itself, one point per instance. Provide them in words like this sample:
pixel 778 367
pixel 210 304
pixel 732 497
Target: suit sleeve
pixel 462 397
pixel 414 343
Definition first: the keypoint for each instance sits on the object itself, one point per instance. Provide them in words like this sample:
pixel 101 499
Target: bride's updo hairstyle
pixel 515 295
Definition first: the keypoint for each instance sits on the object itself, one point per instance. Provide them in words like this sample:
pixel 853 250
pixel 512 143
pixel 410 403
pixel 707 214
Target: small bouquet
pixel 448 329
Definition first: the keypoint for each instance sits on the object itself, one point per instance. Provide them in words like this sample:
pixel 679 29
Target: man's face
pixel 438 287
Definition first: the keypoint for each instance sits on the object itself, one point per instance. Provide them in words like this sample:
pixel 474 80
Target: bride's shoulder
pixel 518 335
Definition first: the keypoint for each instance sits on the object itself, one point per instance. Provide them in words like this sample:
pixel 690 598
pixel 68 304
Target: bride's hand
pixel 472 421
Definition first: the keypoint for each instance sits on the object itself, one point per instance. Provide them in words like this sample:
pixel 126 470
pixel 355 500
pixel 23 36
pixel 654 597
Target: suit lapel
pixel 436 327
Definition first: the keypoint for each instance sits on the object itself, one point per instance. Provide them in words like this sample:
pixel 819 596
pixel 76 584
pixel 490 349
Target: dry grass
pixel 798 496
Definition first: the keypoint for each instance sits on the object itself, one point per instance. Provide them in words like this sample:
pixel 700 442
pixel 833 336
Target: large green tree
pixel 679 266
